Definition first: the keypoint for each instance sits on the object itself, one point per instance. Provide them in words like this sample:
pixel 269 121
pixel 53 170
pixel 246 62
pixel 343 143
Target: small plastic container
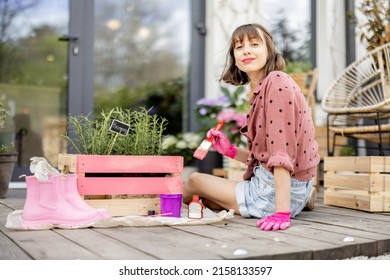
pixel 170 204
pixel 195 208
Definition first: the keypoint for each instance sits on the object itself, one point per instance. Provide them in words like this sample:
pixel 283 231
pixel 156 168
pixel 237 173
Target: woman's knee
pixel 193 180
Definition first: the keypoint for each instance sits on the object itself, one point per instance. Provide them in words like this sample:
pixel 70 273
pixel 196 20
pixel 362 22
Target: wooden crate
pixel 361 183
pixel 125 185
pixel 236 170
pixel 322 142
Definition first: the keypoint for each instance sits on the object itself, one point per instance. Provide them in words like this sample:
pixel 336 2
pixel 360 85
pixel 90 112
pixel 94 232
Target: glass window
pixel 141 56
pixel 290 23
pixel 33 80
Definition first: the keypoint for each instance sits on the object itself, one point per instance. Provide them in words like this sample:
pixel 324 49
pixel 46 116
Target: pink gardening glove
pixel 222 144
pixel 279 220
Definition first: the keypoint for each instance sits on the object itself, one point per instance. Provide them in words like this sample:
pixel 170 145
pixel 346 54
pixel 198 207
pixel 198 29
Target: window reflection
pixel 141 56
pixel 33 84
pixel 289 22
pixel 28 142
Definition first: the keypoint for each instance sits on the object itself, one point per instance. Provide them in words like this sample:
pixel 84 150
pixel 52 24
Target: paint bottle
pixel 195 208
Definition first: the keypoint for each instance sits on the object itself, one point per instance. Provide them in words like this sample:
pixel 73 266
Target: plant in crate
pixel 121 159
pixel 94 136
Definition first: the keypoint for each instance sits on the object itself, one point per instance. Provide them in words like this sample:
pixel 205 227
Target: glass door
pixel 63 58
pixel 141 57
pixel 33 78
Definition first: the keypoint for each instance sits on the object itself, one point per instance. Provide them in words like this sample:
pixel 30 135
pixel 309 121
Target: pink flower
pixel 230 115
pixel 234 130
pixel 227 115
pixel 241 119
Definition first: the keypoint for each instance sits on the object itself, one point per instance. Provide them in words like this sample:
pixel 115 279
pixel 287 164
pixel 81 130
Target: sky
pixel 297 11
pixel 52 12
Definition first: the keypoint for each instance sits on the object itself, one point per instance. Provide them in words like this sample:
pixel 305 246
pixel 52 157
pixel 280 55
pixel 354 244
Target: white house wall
pixel 331 53
pixel 223 16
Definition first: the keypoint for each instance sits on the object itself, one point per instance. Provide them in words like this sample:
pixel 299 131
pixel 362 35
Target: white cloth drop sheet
pixel 14 220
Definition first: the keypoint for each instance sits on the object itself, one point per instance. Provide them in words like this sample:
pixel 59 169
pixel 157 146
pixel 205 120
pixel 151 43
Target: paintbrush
pixel 204 147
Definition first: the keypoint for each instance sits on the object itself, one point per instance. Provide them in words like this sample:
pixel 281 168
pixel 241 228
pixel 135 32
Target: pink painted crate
pixel 125 185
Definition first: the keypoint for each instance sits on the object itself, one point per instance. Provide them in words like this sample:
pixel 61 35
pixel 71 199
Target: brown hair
pixel 275 60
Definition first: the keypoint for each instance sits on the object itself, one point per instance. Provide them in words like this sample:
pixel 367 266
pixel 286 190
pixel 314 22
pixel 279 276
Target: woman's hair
pixel 275 60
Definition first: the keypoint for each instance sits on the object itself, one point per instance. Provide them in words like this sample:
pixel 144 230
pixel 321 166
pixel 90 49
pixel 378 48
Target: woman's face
pixel 251 56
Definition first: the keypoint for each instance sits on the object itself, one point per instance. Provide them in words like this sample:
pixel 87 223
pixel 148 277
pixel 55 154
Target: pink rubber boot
pixel 68 183
pixel 46 205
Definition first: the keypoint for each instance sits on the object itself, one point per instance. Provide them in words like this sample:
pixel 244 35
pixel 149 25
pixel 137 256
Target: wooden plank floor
pixel 325 233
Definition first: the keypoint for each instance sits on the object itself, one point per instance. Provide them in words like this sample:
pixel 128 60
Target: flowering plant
pixel 182 144
pixel 3 114
pixel 4 147
pixel 231 107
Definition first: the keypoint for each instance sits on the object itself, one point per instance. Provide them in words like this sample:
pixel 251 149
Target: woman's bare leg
pixel 213 189
pixel 211 204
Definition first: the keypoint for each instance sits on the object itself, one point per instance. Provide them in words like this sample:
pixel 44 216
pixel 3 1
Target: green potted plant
pixel 8 156
pixel 95 136
pixel 183 144
pixel 230 106
pixel 375 24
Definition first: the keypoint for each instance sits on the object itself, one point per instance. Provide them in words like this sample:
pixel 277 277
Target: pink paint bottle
pixel 195 208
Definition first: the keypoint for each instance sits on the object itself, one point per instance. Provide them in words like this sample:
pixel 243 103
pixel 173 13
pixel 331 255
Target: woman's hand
pixel 279 220
pixel 222 144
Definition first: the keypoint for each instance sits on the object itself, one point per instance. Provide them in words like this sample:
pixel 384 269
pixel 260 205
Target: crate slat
pixel 358 181
pixel 128 164
pixel 358 201
pixel 133 185
pixel 127 207
pixel 377 164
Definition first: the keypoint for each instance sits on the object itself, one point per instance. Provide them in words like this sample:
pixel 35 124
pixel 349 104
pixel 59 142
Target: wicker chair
pixel 358 101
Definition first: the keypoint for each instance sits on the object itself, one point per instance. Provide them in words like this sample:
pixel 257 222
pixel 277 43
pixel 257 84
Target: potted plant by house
pixel 183 144
pixel 229 106
pixel 374 24
pixel 8 156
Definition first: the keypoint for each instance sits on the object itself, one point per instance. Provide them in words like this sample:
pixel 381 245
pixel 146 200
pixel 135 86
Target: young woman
pixel 281 155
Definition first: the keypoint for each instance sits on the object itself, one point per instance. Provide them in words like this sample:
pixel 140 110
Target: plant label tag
pixel 119 127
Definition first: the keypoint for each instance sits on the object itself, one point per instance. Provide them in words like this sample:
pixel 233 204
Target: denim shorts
pixel 256 197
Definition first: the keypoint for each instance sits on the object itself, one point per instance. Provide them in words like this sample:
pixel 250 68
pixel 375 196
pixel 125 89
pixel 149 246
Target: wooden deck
pixel 325 233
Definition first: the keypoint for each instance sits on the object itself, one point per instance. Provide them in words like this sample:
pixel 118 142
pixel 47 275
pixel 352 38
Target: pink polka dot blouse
pixel 280 130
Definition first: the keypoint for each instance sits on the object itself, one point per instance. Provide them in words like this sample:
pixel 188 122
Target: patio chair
pixel 358 101
pixel 308 83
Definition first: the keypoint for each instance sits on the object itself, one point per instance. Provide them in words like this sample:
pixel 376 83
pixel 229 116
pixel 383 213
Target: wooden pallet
pixel 235 170
pixel 361 183
pixel 125 185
